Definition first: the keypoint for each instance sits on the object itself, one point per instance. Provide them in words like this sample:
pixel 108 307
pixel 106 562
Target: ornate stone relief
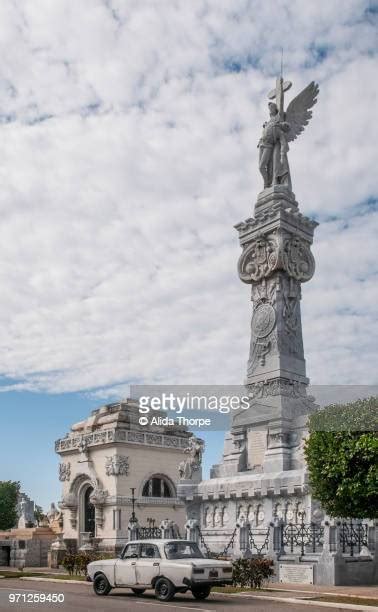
pixel 64 471
pixel 298 261
pixel 84 442
pixel 288 509
pixel 265 291
pixel 253 514
pixel 259 259
pixel 278 438
pixel 263 320
pixel 277 386
pixel 215 516
pixel 83 446
pixel 291 296
pixel 260 348
pixel 193 461
pixel 276 251
pixel 69 502
pixel 117 465
pixel 207 519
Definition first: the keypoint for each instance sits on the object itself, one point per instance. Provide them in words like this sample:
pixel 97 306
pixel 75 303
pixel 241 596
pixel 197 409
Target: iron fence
pixel 353 536
pixel 147 533
pixel 308 537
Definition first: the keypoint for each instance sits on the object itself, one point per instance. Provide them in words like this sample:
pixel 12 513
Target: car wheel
pixel 138 591
pixel 201 592
pixel 101 585
pixel 164 589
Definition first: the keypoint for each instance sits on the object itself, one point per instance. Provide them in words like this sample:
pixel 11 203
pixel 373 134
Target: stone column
pixel 275 261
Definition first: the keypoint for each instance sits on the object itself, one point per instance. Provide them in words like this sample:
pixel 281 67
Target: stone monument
pixel 25 511
pixel 262 476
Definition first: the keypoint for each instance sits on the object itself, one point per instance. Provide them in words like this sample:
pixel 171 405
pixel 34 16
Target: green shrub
pixel 252 572
pixel 68 563
pixel 76 563
pixel 342 458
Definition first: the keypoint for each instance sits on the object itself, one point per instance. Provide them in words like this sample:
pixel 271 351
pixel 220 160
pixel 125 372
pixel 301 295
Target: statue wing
pixel 298 113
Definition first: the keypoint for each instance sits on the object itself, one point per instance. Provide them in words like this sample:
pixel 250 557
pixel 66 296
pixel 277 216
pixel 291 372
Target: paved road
pixel 81 599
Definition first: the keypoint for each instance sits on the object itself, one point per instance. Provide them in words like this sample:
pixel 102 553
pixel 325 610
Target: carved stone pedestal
pixel 275 261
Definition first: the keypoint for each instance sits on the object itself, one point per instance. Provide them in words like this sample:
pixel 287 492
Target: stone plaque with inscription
pixel 296 574
pixel 256 448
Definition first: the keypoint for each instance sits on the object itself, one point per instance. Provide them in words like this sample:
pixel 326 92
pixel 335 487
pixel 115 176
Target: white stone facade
pixel 102 459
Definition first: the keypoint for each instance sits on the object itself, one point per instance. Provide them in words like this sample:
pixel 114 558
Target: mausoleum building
pixel 110 463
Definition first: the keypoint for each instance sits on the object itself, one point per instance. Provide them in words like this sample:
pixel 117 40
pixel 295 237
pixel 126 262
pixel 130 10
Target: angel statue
pixel 282 128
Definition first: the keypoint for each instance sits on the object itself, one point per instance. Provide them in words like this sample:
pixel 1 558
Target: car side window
pixel 130 550
pixel 149 551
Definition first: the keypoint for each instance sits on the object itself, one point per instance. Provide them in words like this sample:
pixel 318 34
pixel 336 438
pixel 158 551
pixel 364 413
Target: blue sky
pixel 128 153
pixel 34 421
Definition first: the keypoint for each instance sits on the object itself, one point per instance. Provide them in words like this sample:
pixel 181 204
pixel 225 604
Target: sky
pixel 128 153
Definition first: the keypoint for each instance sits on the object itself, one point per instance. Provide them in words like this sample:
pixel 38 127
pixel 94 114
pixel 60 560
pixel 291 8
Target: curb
pixel 320 593
pixel 35 579
pixel 324 604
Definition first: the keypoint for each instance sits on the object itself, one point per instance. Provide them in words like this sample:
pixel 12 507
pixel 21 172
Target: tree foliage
pixel 342 458
pixel 9 491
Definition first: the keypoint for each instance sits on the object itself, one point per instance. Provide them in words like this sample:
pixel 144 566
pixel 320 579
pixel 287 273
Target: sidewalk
pixel 352 591
pixel 34 570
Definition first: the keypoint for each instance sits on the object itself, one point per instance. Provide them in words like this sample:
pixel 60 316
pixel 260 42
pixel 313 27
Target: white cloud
pixel 128 153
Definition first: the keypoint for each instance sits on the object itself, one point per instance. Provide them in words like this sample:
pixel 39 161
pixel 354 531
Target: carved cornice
pixel 74 443
pixel 124 500
pixel 285 212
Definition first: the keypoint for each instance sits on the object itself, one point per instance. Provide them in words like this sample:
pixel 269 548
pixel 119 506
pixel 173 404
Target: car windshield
pixel 182 550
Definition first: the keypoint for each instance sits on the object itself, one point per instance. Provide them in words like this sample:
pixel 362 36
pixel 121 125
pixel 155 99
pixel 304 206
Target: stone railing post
pixel 244 544
pixel 191 530
pixel 275 539
pixel 372 539
pixel 326 537
pixel 336 528
pixel 279 546
pixel 133 529
pixel 167 529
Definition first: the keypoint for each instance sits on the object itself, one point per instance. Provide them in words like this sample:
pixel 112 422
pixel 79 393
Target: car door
pixel 125 567
pixel 148 563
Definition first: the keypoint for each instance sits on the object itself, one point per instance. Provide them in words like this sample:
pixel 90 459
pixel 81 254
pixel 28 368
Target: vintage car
pixel 168 566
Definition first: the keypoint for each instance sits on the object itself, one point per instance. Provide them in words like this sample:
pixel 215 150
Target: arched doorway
pixel 89 512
